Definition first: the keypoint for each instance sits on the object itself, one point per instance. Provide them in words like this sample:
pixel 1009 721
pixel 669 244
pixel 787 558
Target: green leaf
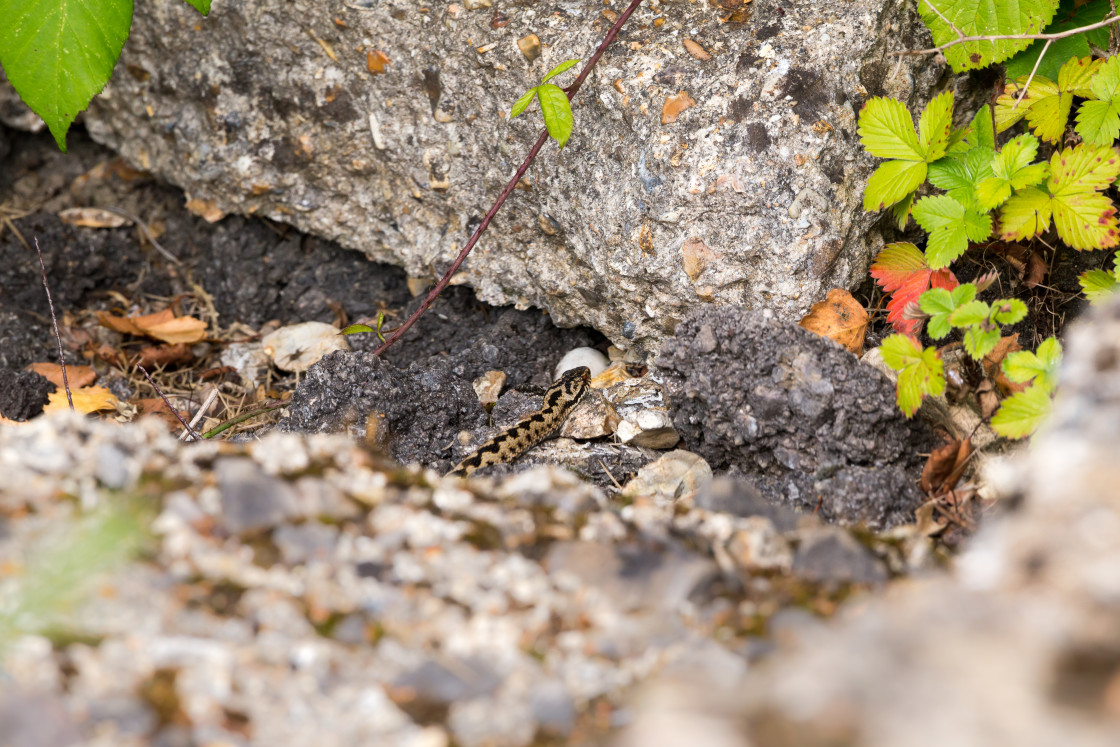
pixel 58 54
pixel 1022 413
pixel 1025 215
pixel 959 176
pixel 1011 169
pixel 1023 366
pixel 1084 218
pixel 935 126
pixel 939 303
pixel 950 226
pixel 892 182
pixel 1098 285
pixel 557 112
pixel 1047 104
pixel 978 341
pixel 984 18
pixel 970 314
pixel 202 6
pixel 886 130
pixel 981 133
pixel 901 210
pixel 1067 18
pixel 563 66
pixel 522 103
pixel 920 372
pixel 356 329
pixel 1008 311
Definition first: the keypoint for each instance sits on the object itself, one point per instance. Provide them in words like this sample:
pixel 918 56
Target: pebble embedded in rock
pixel 593 417
pixel 298 347
pixel 652 429
pixel 488 387
pixel 676 477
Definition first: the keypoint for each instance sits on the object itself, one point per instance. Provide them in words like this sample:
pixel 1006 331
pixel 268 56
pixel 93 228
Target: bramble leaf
pixel 563 66
pixel 1040 366
pixel 58 54
pixel 983 17
pixel 1072 14
pixel 920 372
pixel 901 270
pixel 557 111
pixel 1022 413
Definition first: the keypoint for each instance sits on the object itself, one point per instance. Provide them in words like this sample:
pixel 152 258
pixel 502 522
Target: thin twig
pixel 54 321
pixel 505 193
pixel 201 411
pixel 167 402
pixel 1030 77
pixel 146 231
pixel 950 24
pixel 1002 37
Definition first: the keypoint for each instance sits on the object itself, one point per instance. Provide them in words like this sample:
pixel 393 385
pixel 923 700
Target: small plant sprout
pixel 555 106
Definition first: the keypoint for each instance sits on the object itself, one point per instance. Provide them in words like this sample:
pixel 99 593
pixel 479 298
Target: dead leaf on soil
pixel 945 466
pixel 156 356
pixel 79 376
pixel 162 325
pixel 993 364
pixel 157 407
pixel 1036 270
pixel 988 398
pixel 840 318
pixel 86 400
pixel 90 217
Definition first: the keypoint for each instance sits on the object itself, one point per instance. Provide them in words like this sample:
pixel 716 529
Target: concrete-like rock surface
pixel 383 125
pixel 797 414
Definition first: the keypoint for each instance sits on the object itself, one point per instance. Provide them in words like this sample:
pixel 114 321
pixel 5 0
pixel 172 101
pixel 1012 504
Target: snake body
pixel 526 433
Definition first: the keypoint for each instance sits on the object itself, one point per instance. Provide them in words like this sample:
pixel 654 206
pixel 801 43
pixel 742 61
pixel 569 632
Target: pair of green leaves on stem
pixel 555 106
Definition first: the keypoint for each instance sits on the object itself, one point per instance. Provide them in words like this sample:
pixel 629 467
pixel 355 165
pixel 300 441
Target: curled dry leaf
pixel 161 356
pixel 78 376
pixel 840 318
pixel 89 217
pixel 157 407
pixel 86 400
pixel 993 364
pixel 162 325
pixel 945 466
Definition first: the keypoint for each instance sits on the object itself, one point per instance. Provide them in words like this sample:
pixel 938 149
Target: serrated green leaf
pixel 1047 104
pixel 557 112
pixel 901 210
pixel 970 314
pixel 1025 215
pixel 935 126
pixel 1098 285
pixel 562 67
pixel 886 130
pixel 981 133
pixel 983 18
pixel 963 293
pixel 949 225
pixel 920 372
pixel 1050 353
pixel 58 54
pixel 202 6
pixel 959 175
pixel 938 303
pixel 1022 413
pixel 892 182
pixel 938 211
pixel 978 341
pixel 1099 121
pixel 1023 366
pixel 1011 169
pixel 522 103
pixel 1008 311
pixel 977 226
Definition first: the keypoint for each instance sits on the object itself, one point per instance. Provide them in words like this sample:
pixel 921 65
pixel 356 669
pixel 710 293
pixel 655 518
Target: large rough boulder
pixel 715 157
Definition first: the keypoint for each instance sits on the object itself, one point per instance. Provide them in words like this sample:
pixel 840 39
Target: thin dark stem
pixel 54 321
pixel 167 402
pixel 505 193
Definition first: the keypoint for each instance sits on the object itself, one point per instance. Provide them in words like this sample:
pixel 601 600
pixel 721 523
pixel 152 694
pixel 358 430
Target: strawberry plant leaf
pixel 1098 285
pixel 970 314
pixel 920 372
pixel 522 103
pixel 1098 121
pixel 1025 215
pixel 901 211
pixel 1008 311
pixel 557 111
pixel 935 126
pixel 202 6
pixel 959 176
pixel 1041 367
pixel 978 341
pixel 1012 169
pixel 58 54
pixel 980 17
pixel 950 225
pixel 562 67
pixel 1084 218
pixel 886 130
pixel 939 303
pixel 1021 413
pixel 893 182
pixel 901 271
pixel 981 133
pixel 1047 104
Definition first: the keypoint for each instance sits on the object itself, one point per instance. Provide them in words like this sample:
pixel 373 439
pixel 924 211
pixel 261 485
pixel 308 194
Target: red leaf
pixel 901 271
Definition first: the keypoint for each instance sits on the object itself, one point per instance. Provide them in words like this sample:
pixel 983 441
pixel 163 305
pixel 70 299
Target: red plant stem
pixel 505 193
